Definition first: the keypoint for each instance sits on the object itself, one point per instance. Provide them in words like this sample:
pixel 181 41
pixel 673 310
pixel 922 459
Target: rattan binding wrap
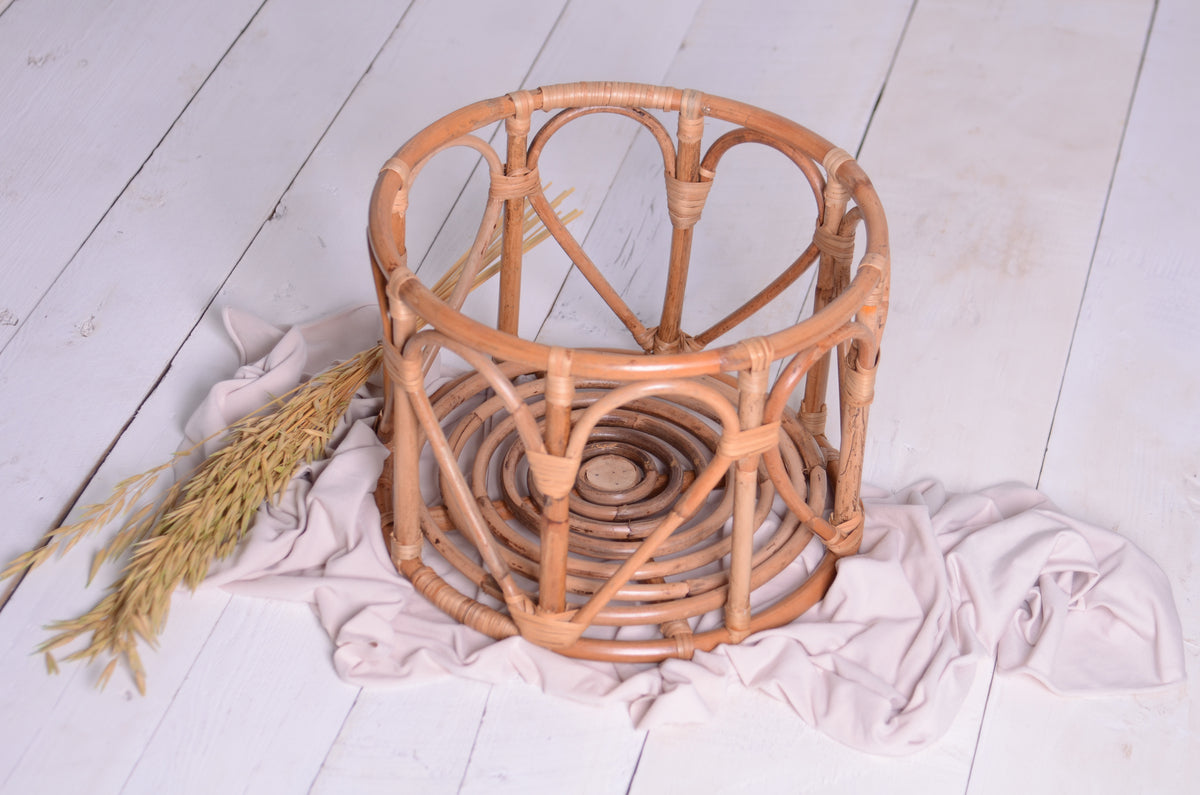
pixel 581 490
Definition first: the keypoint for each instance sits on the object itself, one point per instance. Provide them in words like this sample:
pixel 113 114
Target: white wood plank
pixel 318 249
pixel 756 744
pixel 226 732
pixel 116 76
pixel 253 127
pixel 173 237
pixel 1125 449
pixel 531 742
pixel 992 150
pixel 329 257
pixel 415 739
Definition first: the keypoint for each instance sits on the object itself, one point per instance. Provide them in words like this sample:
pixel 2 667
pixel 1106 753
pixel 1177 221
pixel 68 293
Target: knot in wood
pixel 858 384
pixel 560 386
pixel 752 441
pixel 514 186
pixel 833 160
pixel 550 630
pixel 814 421
pixel 849 536
pixel 553 474
pixel 760 351
pixel 523 104
pixel 685 201
pixel 412 375
pixel 691 118
pixel 833 244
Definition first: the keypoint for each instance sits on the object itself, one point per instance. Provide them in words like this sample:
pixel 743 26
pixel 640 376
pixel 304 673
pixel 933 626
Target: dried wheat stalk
pixel 203 518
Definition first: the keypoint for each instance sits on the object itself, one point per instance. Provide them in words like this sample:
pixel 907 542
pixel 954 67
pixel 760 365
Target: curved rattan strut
pixel 581 490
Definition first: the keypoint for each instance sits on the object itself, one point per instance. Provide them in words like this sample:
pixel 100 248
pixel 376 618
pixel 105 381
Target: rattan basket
pixel 581 492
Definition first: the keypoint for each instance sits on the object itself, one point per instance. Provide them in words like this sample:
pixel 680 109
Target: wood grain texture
pixel 387 742
pixel 756 744
pixel 173 236
pixel 112 98
pixel 564 747
pixel 213 182
pixel 295 747
pixel 195 749
pixel 992 149
pixel 1125 449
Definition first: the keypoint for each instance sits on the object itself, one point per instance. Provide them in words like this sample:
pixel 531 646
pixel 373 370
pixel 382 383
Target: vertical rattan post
pixel 406 447
pixel 816 386
pixel 560 393
pixel 857 392
pixel 752 389
pixel 517 130
pixel 857 381
pixel 687 170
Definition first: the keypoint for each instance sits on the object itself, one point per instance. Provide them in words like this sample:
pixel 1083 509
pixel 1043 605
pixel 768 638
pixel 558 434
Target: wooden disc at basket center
pixel 610 473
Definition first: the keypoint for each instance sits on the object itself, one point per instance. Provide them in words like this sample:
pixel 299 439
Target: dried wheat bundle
pixel 203 518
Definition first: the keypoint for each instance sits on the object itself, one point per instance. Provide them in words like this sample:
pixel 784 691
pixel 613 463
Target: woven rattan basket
pixel 618 505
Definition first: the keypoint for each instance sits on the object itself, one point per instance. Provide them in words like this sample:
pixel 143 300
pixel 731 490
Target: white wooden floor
pixel 161 161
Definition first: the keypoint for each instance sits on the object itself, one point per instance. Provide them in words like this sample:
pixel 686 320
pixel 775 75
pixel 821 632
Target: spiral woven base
pixel 636 465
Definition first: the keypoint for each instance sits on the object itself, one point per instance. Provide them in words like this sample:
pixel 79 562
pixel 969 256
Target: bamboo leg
pixel 816 386
pixel 687 169
pixel 560 393
pixel 857 392
pixel 752 388
pixel 517 128
pixel 406 451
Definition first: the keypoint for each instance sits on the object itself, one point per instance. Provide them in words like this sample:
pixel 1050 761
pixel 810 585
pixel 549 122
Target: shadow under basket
pixel 627 505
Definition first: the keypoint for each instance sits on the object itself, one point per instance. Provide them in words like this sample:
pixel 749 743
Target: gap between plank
pixel 1074 329
pixel 496 131
pixel 600 209
pixel 73 500
pixel 128 182
pixel 329 750
pixel 1137 81
pixel 475 740
pixel 862 141
pixel 979 732
pixel 171 702
pixel 887 76
pixel 637 763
